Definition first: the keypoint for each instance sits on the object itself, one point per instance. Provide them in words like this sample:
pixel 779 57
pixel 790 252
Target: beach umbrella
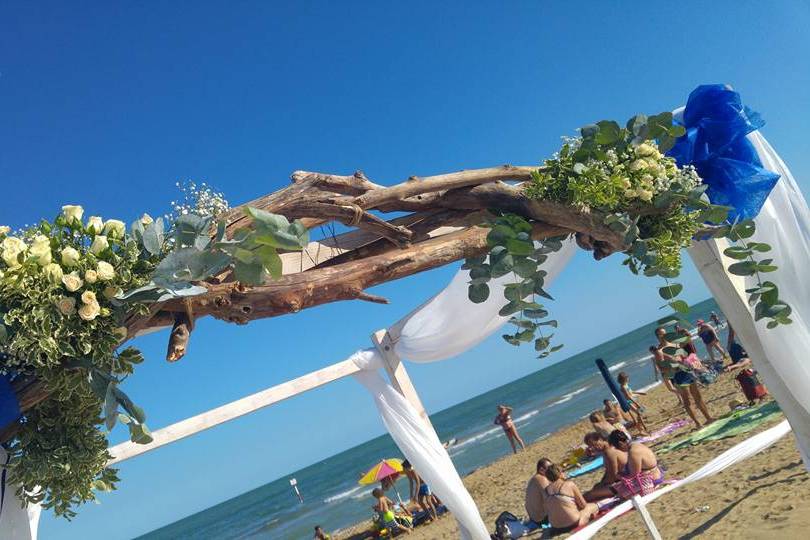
pixel 387 468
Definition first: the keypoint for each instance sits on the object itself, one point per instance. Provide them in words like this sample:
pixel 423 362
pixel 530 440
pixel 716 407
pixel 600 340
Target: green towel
pixel 728 426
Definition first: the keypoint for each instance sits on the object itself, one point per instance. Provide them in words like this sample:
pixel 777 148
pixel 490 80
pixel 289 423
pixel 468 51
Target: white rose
pixel 91 276
pixel 54 273
pixel 12 247
pixel 111 292
pixel 99 245
pixel 5 229
pixel 95 225
pixel 647 178
pixel 645 150
pixel 105 271
pixel 88 312
pixel 89 297
pixel 638 164
pixel 114 228
pixel 121 333
pixel 70 257
pixel 645 195
pixel 73 213
pixel 66 306
pixel 626 183
pixel 40 250
pixel 630 194
pixel 146 219
pixel 72 281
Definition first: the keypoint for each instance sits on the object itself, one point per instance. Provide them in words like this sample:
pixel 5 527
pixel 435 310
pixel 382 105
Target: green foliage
pixel 62 309
pixel 512 250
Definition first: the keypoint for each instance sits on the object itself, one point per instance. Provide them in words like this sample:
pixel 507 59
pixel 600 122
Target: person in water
pixel 566 507
pixel 614 461
pixel 504 419
pixel 668 358
pixel 385 508
pixel 320 535
pixel 419 490
pixel 709 337
pixel 630 396
pixel 535 503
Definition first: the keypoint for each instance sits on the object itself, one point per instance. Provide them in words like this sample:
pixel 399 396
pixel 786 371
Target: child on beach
pixel 420 492
pixel 635 408
pixel 504 419
pixel 385 509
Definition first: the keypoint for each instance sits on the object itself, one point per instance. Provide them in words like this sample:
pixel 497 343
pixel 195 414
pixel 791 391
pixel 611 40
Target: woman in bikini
pixel 504 419
pixel 640 459
pixel 680 377
pixel 565 505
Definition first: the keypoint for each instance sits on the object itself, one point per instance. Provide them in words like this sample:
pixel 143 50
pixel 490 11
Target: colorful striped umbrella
pixel 380 471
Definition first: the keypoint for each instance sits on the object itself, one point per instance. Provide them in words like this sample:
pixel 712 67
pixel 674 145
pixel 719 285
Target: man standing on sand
pixel 420 492
pixel 535 503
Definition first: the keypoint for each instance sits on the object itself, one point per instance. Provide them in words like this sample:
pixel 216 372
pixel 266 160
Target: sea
pixel 543 402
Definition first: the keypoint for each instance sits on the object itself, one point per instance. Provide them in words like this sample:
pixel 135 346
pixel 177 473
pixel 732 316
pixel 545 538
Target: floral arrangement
pixel 625 176
pixel 66 288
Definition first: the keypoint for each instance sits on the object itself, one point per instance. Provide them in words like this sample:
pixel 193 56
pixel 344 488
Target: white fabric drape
pixel 449 323
pixel 780 354
pixel 444 326
pixel 16 522
pixel 420 445
pixel 735 454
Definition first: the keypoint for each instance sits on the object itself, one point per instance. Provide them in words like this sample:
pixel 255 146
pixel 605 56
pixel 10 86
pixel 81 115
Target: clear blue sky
pixel 108 104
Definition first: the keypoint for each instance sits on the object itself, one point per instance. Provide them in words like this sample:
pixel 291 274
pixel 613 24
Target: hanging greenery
pixel 66 286
pixel 623 174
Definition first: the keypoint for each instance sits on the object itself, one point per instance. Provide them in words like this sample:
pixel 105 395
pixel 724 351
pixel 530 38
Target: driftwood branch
pixel 441 227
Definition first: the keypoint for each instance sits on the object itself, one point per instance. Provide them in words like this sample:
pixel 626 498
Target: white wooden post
pixel 645 517
pixel 397 373
pixel 234 409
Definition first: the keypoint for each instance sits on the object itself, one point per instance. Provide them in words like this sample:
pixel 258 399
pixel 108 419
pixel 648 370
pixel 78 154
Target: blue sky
pixel 109 104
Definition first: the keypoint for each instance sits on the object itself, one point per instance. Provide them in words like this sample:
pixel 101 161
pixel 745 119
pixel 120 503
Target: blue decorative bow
pixel 9 406
pixel 715 143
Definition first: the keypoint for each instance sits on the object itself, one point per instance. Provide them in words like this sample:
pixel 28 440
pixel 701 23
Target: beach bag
pixel 638 484
pixel 706 377
pixel 509 526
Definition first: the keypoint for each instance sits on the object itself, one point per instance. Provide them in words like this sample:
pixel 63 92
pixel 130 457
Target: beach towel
pixel 586 467
pixel 728 426
pixel 664 431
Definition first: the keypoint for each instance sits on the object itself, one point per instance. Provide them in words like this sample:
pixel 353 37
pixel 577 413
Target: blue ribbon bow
pixel 9 406
pixel 715 143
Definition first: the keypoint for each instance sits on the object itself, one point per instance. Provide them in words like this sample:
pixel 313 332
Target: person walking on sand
pixel 504 419
pixel 419 490
pixel 535 504
pixel 709 337
pixel 680 377
pixel 567 508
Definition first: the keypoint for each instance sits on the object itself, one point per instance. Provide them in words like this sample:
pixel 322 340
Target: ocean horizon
pixel 543 402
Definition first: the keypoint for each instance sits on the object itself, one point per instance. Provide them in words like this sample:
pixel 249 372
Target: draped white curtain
pixel 444 326
pixel 780 354
pixel 17 522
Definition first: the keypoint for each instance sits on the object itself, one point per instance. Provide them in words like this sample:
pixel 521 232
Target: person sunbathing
pixel 641 464
pixel 614 460
pixel 566 507
pixel 535 503
pixel 385 508
pixel 601 425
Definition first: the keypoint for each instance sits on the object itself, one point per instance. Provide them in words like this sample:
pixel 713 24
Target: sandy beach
pixel 762 497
